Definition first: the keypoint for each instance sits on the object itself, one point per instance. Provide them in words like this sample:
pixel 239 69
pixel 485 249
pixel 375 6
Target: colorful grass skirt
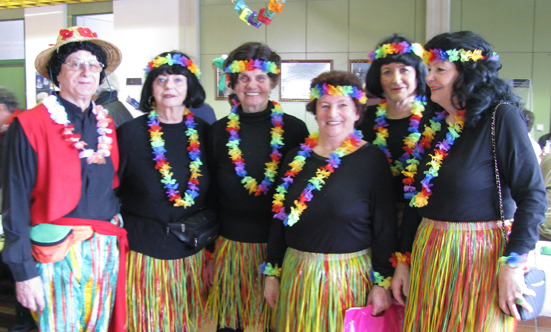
pixel 80 289
pixel 453 280
pixel 236 298
pixel 165 295
pixel 316 289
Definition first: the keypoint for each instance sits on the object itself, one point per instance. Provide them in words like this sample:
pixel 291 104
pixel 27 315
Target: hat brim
pixel 114 55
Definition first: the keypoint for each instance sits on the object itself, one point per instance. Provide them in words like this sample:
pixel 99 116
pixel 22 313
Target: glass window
pixel 12 43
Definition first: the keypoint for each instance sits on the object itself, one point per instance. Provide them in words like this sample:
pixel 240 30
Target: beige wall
pixel 338 30
pixel 521 33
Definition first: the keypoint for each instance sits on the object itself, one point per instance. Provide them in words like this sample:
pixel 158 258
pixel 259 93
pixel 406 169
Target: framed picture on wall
pixel 219 94
pixel 359 68
pixel 296 76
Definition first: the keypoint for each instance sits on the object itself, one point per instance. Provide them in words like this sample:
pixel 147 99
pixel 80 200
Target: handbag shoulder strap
pixel 496 171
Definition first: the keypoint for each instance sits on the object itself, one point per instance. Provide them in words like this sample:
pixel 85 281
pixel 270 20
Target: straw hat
pixel 78 34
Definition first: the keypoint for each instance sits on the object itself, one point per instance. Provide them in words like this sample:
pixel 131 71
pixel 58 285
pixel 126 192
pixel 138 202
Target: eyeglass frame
pixel 83 63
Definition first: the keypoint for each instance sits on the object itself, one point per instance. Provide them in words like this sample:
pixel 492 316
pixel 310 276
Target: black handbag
pixel 535 278
pixel 196 230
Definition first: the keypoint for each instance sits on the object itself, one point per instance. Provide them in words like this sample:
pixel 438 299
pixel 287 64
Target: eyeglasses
pixel 93 65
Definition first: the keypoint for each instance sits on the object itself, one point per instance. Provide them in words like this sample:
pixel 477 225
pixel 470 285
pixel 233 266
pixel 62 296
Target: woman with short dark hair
pixel 164 179
pixel 246 148
pixel 334 225
pixel 466 274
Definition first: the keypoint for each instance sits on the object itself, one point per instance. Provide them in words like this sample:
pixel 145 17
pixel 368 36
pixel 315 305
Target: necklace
pixel 420 199
pixel 194 153
pixel 316 182
pixel 59 116
pixel 236 155
pixel 417 108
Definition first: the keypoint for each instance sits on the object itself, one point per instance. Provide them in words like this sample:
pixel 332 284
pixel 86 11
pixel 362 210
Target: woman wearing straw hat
pixel 164 179
pixel 64 238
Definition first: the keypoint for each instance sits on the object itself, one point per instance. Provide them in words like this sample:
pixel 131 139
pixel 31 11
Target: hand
pixel 400 283
pixel 511 287
pixel 271 291
pixel 380 299
pixel 209 273
pixel 30 293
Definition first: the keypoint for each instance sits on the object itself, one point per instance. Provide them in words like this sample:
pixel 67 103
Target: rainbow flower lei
pixel 59 116
pixel 175 59
pixel 395 48
pixel 236 155
pixel 417 109
pixel 462 55
pixel 158 145
pixel 316 182
pixel 238 66
pixel 325 89
pixel 263 16
pixel 420 199
pixel 379 280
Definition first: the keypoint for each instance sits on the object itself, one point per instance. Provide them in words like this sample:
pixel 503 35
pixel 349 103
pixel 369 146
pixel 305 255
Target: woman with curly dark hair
pixel 465 274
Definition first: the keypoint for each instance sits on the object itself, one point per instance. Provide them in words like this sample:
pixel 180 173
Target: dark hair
pixel 59 57
pixel 195 95
pixel 478 86
pixel 8 98
pixel 253 50
pixel 335 78
pixel 529 117
pixel 373 76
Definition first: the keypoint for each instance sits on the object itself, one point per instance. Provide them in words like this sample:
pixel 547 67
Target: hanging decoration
pixel 264 15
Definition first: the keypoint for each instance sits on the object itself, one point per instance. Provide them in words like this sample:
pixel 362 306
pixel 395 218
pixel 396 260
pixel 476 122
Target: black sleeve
pixel 520 173
pixel 19 176
pixel 410 222
pixel 384 220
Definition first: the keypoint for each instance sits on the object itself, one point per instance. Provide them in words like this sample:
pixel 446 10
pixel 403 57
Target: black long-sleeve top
pixel 97 199
pixel 244 217
pixel 145 206
pixel 465 189
pixel 397 131
pixel 355 210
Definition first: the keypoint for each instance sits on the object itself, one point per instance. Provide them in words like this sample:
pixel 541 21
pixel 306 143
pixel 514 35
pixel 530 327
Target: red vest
pixel 58 179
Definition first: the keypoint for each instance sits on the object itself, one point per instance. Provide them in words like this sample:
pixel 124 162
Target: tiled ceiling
pixel 4 4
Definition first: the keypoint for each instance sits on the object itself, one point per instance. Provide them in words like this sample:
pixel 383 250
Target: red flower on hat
pixel 65 33
pixel 85 32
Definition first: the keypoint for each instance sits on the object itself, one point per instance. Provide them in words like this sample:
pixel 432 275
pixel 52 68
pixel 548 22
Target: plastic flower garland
pixel 263 16
pixel 514 260
pixel 417 109
pixel 316 182
pixel 378 280
pixel 59 116
pixel 236 155
pixel 395 48
pixel 329 90
pixel 455 55
pixel 158 145
pixel 238 66
pixel 421 199
pixel 398 257
pixel 268 270
pixel 175 59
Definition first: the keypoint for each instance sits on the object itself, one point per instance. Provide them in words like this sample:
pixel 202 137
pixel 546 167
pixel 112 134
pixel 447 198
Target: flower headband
pixel 175 59
pixel 455 55
pixel 329 90
pixel 395 48
pixel 238 66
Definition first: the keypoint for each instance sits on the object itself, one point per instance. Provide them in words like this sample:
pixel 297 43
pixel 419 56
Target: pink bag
pixel 360 319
